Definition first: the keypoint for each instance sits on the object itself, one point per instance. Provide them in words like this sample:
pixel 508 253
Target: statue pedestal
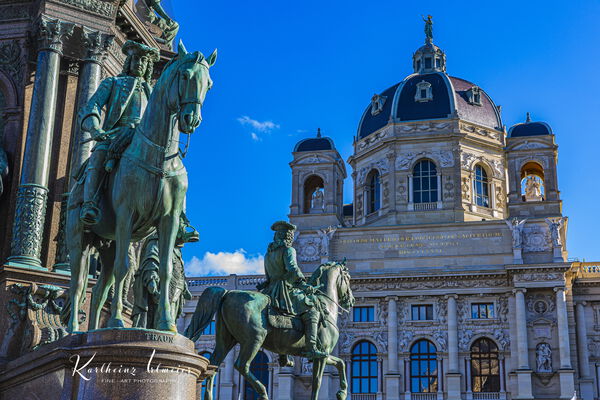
pixel 108 364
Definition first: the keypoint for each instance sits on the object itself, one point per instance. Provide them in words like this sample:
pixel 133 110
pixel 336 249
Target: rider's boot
pixel 311 323
pixel 90 213
pixel 285 361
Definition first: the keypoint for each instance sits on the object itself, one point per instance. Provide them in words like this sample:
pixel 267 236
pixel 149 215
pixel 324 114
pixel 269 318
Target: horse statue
pixel 144 193
pixel 241 317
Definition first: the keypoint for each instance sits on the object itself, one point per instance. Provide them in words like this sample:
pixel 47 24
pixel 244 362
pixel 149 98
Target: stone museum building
pixel 458 250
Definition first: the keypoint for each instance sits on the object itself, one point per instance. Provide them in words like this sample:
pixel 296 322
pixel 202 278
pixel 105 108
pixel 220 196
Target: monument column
pixel 392 377
pixel 566 372
pixel 586 381
pixel 453 374
pixel 90 74
pixel 524 388
pixel 32 194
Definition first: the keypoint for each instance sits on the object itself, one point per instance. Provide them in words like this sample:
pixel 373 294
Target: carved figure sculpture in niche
pixel 516 228
pixel 555 224
pixel 543 356
pixel 533 188
pixel 318 200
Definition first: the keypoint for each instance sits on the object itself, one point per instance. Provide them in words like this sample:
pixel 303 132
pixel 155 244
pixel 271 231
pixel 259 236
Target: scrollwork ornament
pixel 29 221
pixel 12 60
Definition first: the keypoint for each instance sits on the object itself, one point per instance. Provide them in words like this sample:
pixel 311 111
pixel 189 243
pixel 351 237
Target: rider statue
pixel 124 97
pixel 287 287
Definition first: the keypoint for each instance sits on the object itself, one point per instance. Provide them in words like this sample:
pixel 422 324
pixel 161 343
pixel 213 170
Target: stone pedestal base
pixel 567 383
pixel 392 386
pixel 586 389
pixel 524 388
pixel 517 256
pixel 453 386
pixel 108 364
pixel 285 390
pixel 226 391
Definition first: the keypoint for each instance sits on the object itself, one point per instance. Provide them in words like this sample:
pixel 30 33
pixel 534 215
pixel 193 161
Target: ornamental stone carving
pixel 52 32
pixel 444 158
pixel 536 239
pixel 468 161
pixel 480 131
pixel 308 248
pixel 12 61
pixel 325 236
pixel 448 188
pixel 502 338
pixel 539 277
pixel 541 305
pixel 442 309
pixel 102 8
pixel 464 339
pixel 554 226
pixel 516 229
pixel 391 284
pixel 441 337
pixel 29 221
pixel 419 128
pixel 97 45
pixel 543 357
pixel 382 166
pixel 466 192
pixel 404 339
pixel 375 138
pixel 527 145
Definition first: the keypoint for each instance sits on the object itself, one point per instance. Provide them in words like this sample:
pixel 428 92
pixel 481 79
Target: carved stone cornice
pixel 430 282
pixel 97 45
pixel 103 8
pixel 51 33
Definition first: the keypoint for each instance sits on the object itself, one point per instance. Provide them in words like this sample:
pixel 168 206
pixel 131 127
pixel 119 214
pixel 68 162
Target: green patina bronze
pixel 428 29
pixel 146 189
pixel 279 319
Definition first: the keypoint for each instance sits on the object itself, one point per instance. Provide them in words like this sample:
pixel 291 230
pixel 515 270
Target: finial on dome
pixel 428 29
pixel 528 118
pixel 318 132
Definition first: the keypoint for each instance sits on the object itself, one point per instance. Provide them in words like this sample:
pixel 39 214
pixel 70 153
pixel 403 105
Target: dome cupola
pixel 530 128
pixel 429 58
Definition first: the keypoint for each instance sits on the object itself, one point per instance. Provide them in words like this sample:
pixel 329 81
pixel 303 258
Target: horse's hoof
pixel 115 323
pixel 167 326
pixel 341 395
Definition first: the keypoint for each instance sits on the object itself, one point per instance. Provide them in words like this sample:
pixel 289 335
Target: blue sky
pixel 286 68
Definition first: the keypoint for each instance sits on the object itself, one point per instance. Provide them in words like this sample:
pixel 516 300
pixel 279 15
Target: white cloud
pixel 225 263
pixel 255 137
pixel 264 126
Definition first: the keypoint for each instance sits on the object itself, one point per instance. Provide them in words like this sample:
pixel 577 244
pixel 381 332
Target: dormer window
pixel 423 93
pixel 438 62
pixel 474 95
pixel 377 103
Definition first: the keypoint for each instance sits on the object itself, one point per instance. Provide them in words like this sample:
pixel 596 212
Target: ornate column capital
pixel 451 295
pixel 388 298
pixel 559 288
pixel 51 33
pixel 519 290
pixel 96 44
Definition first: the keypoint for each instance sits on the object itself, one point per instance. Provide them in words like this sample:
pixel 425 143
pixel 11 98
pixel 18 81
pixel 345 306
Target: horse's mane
pixel 316 278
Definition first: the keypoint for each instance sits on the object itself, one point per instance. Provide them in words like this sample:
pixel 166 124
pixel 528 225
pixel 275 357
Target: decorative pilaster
pixel 586 380
pixel 453 375
pixel 32 194
pixel 524 387
pixel 392 377
pixel 566 372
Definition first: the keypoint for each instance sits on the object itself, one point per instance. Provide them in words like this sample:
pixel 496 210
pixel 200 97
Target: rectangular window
pixel 428 62
pixel 364 314
pixel 422 312
pixel 423 93
pixel 482 310
pixel 210 329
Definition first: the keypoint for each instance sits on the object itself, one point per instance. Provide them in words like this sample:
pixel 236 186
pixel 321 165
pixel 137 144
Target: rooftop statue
pixel 292 316
pixel 428 29
pixel 146 189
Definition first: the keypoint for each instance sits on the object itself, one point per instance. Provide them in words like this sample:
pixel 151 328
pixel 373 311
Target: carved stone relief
pixel 375 138
pixel 480 131
pixel 536 238
pixel 427 127
pixel 308 248
pixel 468 161
pixel 541 305
pixel 448 188
pixel 466 193
pixel 381 165
pixel 444 158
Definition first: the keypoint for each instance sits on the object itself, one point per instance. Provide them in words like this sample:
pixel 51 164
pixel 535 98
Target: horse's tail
pixel 207 306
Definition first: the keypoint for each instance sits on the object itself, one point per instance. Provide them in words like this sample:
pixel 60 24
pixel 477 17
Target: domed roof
pixel 449 97
pixel 529 128
pixel 430 93
pixel 315 144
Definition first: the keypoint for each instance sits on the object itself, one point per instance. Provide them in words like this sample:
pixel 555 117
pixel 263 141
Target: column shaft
pixel 32 194
pixel 563 329
pixel 392 336
pixel 522 346
pixel 452 336
pixel 584 356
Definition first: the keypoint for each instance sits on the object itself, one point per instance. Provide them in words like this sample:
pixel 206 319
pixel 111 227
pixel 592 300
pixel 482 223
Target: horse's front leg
pixel 167 233
pixel 340 365
pixel 121 265
pixel 318 368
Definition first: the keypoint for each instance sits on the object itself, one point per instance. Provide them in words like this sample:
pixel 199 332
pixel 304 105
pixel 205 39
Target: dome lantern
pixel 429 58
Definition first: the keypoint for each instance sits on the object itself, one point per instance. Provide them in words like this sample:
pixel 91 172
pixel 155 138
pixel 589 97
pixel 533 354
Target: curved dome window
pixel 482 187
pixel 424 92
pixel 373 191
pixel 425 182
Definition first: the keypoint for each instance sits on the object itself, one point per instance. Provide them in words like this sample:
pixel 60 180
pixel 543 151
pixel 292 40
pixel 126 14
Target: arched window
pixel 314 201
pixel 485 366
pixel 260 369
pixel 373 191
pixel 482 187
pixel 207 354
pixel 364 368
pixel 423 367
pixel 425 182
pixel 532 182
